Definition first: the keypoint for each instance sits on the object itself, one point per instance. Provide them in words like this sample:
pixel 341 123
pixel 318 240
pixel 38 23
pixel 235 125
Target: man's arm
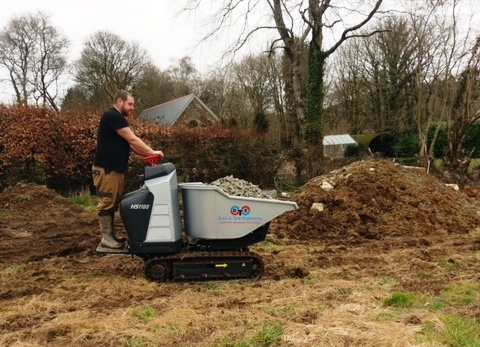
pixel 136 144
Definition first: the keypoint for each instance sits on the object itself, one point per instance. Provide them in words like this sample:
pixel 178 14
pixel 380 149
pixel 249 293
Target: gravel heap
pixel 238 187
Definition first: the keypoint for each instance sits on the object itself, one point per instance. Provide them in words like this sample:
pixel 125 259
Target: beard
pixel 125 112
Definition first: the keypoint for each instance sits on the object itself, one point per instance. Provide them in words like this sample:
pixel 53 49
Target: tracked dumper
pixel 218 228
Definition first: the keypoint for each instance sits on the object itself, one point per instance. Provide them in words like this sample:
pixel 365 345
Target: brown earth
pixel 384 228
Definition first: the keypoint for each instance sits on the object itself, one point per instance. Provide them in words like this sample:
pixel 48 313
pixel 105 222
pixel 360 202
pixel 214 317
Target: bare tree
pixel 152 88
pixel 34 53
pixel 212 90
pixel 346 103
pixel 277 88
pixel 464 112
pixel 381 77
pixel 434 62
pixel 295 23
pixel 261 85
pixel 447 82
pixel 107 63
pixel 252 74
pixel 183 76
pixel 252 87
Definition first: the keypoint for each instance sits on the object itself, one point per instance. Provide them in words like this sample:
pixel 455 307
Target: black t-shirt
pixel 113 151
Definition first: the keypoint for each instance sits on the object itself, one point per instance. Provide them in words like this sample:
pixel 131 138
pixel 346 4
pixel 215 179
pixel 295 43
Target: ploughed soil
pixel 361 233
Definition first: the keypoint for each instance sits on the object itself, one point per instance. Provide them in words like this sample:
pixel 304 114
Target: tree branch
pixel 345 33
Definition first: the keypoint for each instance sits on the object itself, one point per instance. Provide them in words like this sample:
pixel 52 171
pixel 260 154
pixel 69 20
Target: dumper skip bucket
pixel 210 213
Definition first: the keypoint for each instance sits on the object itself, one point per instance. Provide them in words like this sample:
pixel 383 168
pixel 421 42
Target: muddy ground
pixel 376 228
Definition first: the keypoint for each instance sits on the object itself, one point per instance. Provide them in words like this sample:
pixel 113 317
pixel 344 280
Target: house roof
pixel 168 112
pixel 343 139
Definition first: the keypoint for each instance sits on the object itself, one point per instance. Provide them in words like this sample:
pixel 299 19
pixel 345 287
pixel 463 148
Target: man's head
pixel 124 102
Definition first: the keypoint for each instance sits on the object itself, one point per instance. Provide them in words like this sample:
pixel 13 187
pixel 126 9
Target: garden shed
pixel 334 145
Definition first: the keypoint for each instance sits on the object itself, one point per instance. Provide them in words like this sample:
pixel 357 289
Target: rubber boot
pixel 106 228
pixel 114 235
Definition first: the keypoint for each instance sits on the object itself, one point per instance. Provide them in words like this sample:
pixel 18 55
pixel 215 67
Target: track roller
pixel 158 270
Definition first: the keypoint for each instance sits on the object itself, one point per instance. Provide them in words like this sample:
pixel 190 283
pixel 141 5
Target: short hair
pixel 121 94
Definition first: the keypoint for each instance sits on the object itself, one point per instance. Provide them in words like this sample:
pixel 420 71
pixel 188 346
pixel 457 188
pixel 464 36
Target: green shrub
pixel 407 146
pixel 472 142
pixel 441 142
pixel 352 151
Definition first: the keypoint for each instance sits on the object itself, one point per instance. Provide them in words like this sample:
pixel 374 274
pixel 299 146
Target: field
pixel 392 260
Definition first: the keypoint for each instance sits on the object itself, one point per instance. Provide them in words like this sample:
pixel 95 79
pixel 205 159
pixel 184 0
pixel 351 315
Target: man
pixel 115 139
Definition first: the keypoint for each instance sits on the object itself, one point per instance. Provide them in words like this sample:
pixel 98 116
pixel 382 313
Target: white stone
pixel 453 185
pixel 316 208
pixel 326 186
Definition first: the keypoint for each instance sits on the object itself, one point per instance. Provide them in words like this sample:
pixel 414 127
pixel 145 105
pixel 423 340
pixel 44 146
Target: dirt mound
pixel 32 196
pixel 374 199
pixel 37 223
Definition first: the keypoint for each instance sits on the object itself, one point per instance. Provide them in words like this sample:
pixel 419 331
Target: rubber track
pixel 206 256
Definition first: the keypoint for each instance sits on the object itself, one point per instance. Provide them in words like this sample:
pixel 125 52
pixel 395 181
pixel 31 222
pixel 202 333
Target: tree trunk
pixel 314 117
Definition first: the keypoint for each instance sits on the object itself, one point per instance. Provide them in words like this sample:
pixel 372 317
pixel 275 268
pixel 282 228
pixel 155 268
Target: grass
pixel 23 197
pixel 401 300
pixel 15 269
pixel 455 327
pixel 146 315
pixel 455 331
pixel 271 313
pixel 458 295
pixel 269 246
pixel 139 342
pixel 211 286
pixel 269 335
pixel 474 165
pixel 83 198
pixel 461 331
pixel 453 296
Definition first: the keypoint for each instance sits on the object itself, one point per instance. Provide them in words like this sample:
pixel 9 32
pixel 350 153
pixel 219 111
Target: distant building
pixel 187 110
pixel 334 145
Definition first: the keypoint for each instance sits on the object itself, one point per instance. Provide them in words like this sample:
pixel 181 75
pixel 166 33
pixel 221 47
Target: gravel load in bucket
pixel 238 187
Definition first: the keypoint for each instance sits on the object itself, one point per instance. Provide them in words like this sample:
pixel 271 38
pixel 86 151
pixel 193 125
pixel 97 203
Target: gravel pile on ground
pixel 238 187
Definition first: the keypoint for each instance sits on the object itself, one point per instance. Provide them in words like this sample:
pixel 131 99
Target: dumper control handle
pixel 152 160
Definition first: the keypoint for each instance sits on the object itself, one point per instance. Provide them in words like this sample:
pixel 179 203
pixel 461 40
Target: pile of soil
pixel 374 199
pixel 38 223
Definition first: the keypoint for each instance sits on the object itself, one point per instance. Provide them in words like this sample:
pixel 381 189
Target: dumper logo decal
pixel 240 215
pixel 237 211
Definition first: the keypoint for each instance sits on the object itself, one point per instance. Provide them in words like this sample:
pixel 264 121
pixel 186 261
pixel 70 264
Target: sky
pixel 157 25
pixel 154 24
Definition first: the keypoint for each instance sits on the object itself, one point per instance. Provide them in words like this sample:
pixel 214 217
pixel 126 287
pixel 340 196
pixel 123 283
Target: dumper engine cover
pixel 135 210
